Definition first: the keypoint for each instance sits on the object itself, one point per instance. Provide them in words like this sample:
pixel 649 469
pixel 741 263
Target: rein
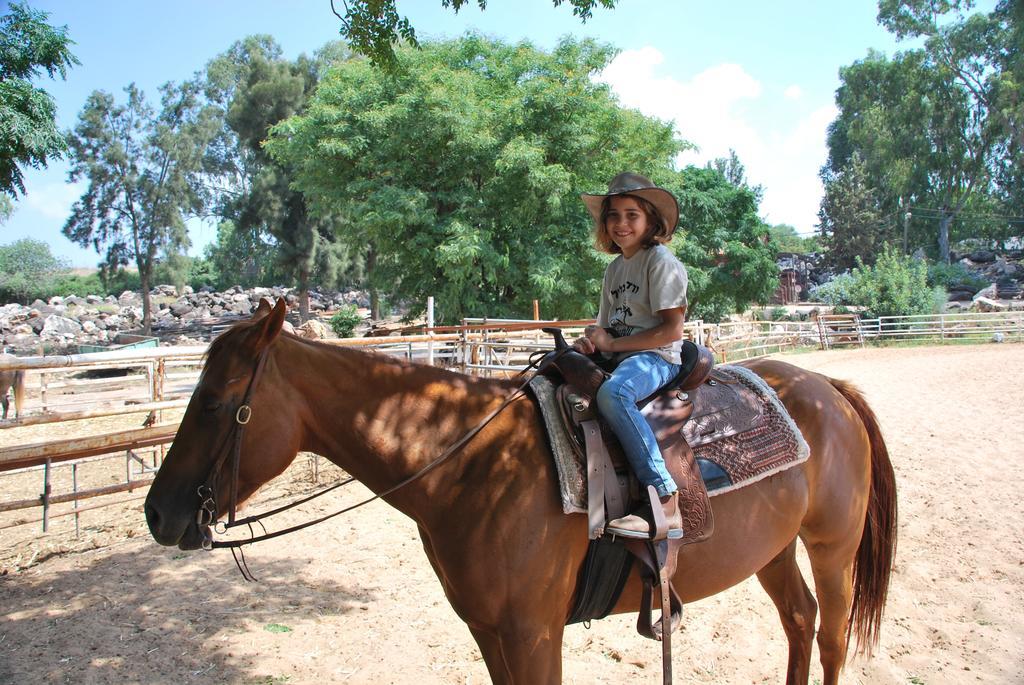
pixel 207 513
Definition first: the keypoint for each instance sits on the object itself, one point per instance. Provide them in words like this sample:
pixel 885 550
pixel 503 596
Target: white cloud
pixel 724 108
pixel 702 108
pixel 53 200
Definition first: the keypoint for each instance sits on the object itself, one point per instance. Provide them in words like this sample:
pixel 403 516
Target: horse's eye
pixel 211 405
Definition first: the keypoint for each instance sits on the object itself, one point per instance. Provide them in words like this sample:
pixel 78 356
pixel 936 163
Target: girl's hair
pixel 657 233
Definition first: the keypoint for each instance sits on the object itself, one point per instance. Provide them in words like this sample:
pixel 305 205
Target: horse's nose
pixel 153 519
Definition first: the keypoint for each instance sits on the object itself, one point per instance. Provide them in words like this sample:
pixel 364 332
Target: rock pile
pixel 60 325
pixel 1005 271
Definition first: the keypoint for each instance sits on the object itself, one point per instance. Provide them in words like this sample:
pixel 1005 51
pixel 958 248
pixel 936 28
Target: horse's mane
pixel 239 330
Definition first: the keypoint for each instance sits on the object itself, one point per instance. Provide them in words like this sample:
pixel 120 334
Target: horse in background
pixel 9 380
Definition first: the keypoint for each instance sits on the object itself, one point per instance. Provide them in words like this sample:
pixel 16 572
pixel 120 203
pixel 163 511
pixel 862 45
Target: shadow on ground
pixel 150 614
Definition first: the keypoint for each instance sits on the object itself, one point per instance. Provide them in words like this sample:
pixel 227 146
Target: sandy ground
pixel 355 601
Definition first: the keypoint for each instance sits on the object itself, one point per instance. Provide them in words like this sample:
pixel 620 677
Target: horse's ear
pixel 262 309
pixel 270 325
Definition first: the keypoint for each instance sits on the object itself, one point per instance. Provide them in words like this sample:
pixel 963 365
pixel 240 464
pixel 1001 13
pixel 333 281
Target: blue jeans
pixel 636 378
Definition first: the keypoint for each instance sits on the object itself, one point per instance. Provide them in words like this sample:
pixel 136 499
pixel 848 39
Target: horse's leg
pixel 832 568
pixel 783 582
pixel 4 401
pixel 490 648
pixel 532 654
pixel 514 654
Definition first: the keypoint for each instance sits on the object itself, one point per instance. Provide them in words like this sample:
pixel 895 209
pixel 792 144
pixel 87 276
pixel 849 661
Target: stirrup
pixel 657 527
pixel 672 534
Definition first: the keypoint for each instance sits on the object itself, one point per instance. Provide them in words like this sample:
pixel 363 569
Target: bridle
pixel 231 447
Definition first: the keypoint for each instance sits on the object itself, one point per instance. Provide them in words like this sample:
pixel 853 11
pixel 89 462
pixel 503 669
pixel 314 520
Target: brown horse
pixel 490 518
pixel 12 380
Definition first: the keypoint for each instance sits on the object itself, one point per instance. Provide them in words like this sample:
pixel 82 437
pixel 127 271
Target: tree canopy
pixel 373 27
pixel 459 173
pixel 853 222
pixel 937 128
pixel 143 170
pixel 27 267
pixel 28 128
pixel 255 88
pixel 726 247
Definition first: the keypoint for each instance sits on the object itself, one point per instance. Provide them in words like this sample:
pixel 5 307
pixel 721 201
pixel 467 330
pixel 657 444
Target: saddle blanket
pixel 728 461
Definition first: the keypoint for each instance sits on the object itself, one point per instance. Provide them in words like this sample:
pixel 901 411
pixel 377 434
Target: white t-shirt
pixel 636 289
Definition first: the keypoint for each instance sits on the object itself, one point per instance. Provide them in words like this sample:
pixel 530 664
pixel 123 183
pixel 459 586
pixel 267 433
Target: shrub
pixel 75 284
pixel 949 276
pixel 895 285
pixel 345 320
pixel 836 292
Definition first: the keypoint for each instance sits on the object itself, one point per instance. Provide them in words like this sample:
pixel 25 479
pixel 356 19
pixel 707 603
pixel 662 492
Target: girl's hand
pixel 584 346
pixel 599 338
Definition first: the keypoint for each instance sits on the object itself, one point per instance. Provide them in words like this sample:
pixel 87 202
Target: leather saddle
pixel 680 412
pixel 612 489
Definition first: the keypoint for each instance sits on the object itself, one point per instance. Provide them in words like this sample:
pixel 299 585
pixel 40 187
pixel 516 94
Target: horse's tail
pixel 19 392
pixel 873 564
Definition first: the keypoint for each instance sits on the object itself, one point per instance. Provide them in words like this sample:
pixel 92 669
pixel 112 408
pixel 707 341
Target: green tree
pixel 144 176
pixel 853 225
pixel 28 129
pixel 27 267
pixel 459 173
pixel 372 27
pixel 256 88
pixel 724 244
pixel 243 258
pixel 933 124
pixel 787 239
pixel 1010 169
pixel 734 172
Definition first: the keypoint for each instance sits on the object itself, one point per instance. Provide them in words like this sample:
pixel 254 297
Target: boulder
pixel 58 326
pixel 960 295
pixel 989 292
pixel 982 256
pixel 312 329
pixel 984 304
pixel 180 309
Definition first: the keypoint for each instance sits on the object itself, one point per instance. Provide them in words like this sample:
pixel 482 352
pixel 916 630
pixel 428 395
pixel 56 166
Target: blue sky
pixel 758 77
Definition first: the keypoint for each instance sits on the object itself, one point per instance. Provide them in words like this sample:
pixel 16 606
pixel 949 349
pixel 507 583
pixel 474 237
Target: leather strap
pixel 660 524
pixel 614 490
pixel 597 460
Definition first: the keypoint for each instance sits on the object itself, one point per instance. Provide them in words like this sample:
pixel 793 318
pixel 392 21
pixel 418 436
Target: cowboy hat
pixel 634 184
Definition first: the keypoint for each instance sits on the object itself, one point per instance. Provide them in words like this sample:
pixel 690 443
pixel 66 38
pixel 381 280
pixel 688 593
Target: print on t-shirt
pixel 622 312
pixel 617 322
